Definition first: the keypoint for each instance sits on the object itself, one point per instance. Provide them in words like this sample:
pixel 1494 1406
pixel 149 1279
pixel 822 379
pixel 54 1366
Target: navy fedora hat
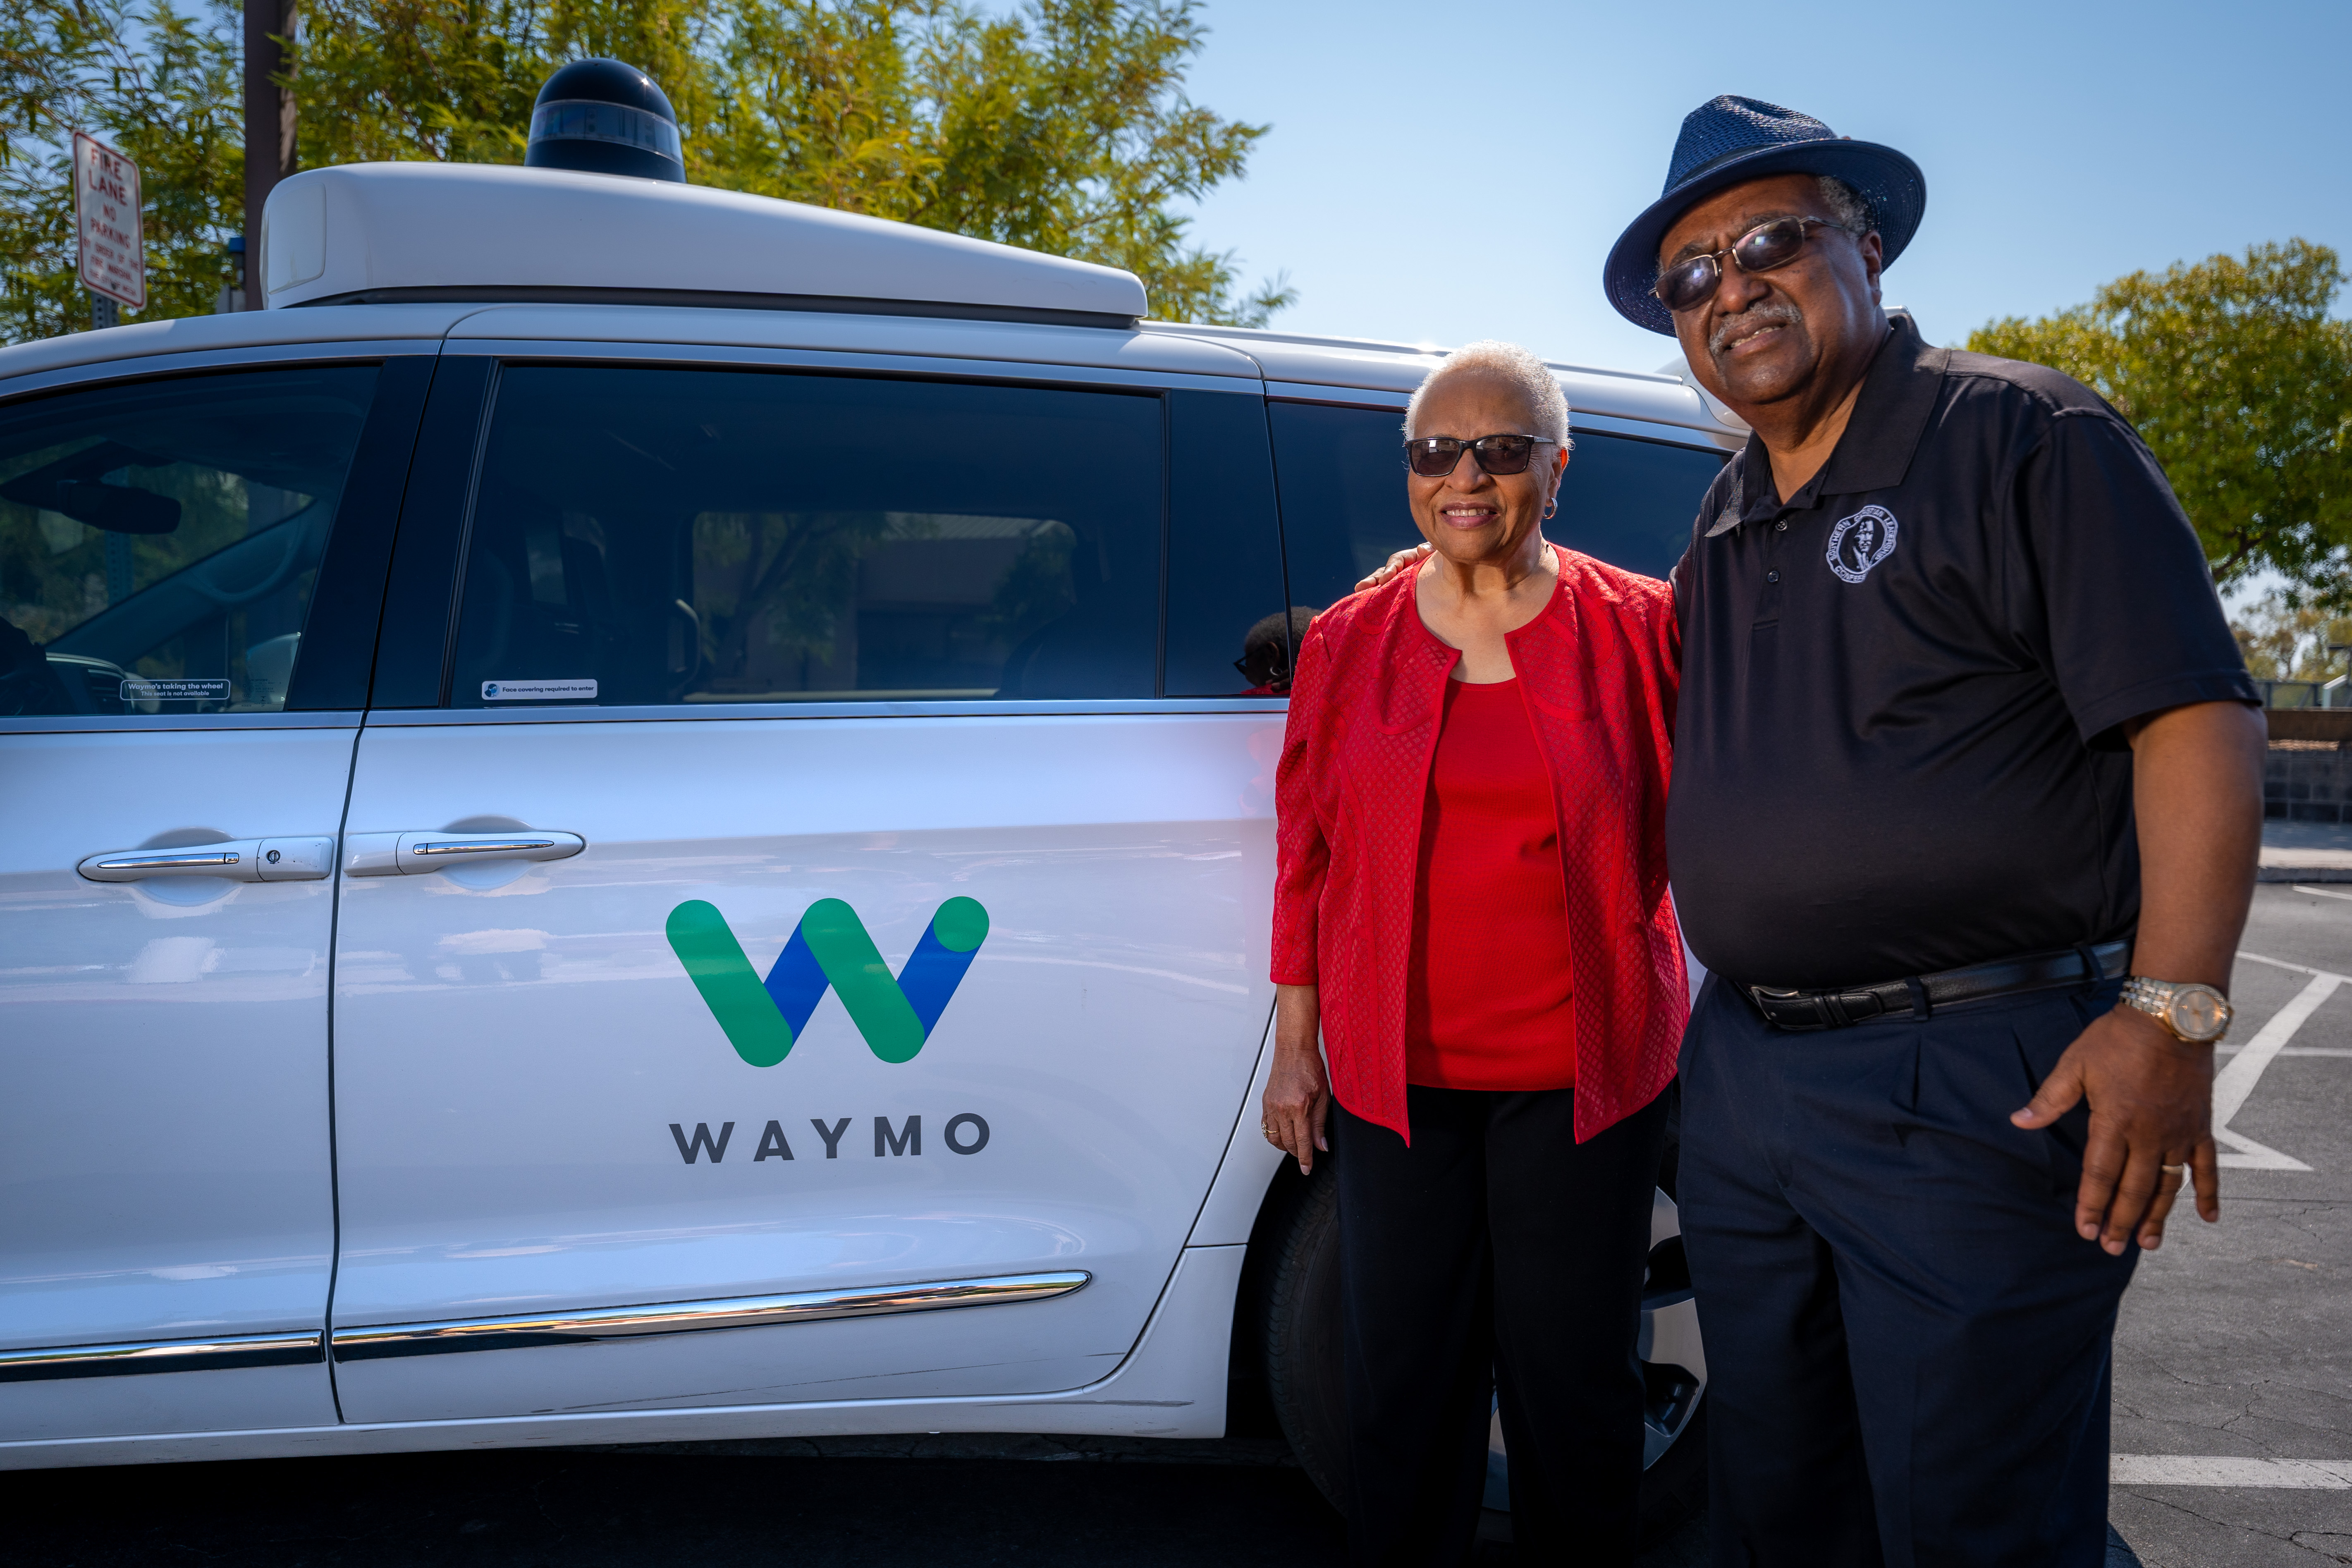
pixel 1728 141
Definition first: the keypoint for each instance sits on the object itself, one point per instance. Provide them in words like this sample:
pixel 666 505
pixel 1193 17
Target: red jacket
pixel 1599 672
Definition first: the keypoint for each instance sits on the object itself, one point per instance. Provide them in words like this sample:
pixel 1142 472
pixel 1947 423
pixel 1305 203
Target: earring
pixel 1550 508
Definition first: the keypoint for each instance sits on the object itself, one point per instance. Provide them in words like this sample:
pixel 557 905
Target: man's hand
pixel 2151 1106
pixel 1403 560
pixel 1297 1095
pixel 2197 791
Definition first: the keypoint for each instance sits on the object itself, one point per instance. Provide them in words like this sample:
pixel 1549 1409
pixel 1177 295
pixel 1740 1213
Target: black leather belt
pixel 1923 994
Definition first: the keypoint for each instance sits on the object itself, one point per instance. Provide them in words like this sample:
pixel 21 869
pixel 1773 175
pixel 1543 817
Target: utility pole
pixel 268 125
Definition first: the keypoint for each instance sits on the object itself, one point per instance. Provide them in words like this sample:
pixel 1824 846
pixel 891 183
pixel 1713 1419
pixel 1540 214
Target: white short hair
pixel 1846 204
pixel 1547 405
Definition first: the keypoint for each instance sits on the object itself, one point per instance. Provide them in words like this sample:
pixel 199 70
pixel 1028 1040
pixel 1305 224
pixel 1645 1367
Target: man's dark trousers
pixel 1907 1342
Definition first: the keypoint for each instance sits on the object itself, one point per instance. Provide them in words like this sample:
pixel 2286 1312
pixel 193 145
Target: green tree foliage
pixel 162 86
pixel 1062 127
pixel 2238 380
pixel 2292 642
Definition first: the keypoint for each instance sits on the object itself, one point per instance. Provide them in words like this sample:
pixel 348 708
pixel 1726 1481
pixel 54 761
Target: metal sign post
pixel 108 231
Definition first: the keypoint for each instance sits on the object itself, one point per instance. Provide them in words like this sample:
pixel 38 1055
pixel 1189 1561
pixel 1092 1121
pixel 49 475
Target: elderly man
pixel 1964 816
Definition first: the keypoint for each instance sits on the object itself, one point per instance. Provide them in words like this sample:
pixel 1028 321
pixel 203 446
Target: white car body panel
pixel 166 1122
pixel 1247 1169
pixel 513 1042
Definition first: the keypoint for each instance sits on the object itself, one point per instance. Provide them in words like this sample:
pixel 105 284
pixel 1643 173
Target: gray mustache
pixel 1773 313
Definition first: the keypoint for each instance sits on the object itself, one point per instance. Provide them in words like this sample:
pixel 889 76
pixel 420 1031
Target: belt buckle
pixel 1765 997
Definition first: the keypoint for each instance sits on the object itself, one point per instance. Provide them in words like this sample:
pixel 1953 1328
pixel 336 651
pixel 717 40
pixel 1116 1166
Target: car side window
pixel 1225 630
pixel 159 542
pixel 1631 502
pixel 656 536
pixel 1624 500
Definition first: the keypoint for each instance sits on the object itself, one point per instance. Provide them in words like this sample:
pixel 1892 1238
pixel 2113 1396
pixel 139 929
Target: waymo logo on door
pixel 829 948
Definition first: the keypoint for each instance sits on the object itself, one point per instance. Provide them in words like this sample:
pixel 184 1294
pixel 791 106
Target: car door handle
pixel 421 854
pixel 238 860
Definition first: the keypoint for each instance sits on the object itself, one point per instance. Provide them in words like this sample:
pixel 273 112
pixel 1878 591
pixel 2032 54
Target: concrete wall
pixel 2331 724
pixel 2308 781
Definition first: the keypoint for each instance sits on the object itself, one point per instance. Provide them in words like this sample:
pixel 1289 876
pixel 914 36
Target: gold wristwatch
pixel 2196 1014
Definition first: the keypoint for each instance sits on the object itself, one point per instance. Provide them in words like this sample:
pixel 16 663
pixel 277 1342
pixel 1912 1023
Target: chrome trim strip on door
pixel 690 1316
pixel 138 1357
pixel 134 723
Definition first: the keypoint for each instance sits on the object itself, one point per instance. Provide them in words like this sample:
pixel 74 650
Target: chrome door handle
pixel 238 860
pixel 422 854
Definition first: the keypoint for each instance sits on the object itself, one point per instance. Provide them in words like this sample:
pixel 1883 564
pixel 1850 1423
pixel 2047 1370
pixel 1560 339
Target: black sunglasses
pixel 1692 282
pixel 1434 457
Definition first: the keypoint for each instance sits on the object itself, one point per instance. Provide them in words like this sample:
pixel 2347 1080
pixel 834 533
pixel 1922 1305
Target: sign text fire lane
pixel 107 223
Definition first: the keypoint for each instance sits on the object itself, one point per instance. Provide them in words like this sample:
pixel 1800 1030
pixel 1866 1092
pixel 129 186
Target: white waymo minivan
pixel 648 814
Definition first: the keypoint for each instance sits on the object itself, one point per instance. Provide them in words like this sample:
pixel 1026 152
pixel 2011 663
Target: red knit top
pixel 1596 674
pixel 1487 1000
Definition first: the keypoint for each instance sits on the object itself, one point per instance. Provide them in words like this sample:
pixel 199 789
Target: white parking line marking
pixel 2233 1083
pixel 2321 892
pixel 2298 968
pixel 2217 1470
pixel 2245 1154
pixel 2236 1080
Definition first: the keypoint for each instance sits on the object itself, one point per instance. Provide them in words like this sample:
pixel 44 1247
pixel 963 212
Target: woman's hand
pixel 1403 560
pixel 1297 1095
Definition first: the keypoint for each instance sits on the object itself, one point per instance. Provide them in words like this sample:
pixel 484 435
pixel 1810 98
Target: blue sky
pixel 1441 173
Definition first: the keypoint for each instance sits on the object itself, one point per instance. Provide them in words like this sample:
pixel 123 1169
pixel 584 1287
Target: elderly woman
pixel 1472 908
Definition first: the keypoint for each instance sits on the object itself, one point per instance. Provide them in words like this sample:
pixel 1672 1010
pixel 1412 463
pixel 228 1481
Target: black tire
pixel 1298 1335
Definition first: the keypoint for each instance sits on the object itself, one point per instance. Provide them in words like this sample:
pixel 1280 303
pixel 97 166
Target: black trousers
pixel 1494 1255
pixel 1906 1342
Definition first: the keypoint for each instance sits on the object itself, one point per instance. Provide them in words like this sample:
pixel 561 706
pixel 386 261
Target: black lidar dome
pixel 602 117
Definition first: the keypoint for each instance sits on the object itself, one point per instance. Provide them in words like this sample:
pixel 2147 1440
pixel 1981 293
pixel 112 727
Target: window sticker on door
pixel 205 688
pixel 539 691
pixel 829 949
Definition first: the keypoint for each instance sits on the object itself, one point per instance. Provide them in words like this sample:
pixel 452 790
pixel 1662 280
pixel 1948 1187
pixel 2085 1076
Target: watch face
pixel 2199 1015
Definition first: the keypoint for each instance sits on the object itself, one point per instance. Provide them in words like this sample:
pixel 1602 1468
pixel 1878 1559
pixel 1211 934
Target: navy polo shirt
pixel 1897 746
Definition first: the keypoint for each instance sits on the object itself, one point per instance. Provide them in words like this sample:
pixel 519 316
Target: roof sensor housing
pixel 602 117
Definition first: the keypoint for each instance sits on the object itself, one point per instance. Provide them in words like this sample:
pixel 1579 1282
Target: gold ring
pixel 2169 1169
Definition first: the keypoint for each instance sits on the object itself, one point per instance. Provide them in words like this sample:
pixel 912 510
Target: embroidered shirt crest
pixel 1860 541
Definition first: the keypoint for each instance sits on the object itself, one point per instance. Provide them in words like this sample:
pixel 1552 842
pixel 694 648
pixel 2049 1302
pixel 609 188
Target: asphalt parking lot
pixel 2232 1428
pixel 914 1501
pixel 889 1502
pixel 2233 1358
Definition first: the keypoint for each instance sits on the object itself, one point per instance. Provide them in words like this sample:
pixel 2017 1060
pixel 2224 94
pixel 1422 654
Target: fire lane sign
pixel 108 231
